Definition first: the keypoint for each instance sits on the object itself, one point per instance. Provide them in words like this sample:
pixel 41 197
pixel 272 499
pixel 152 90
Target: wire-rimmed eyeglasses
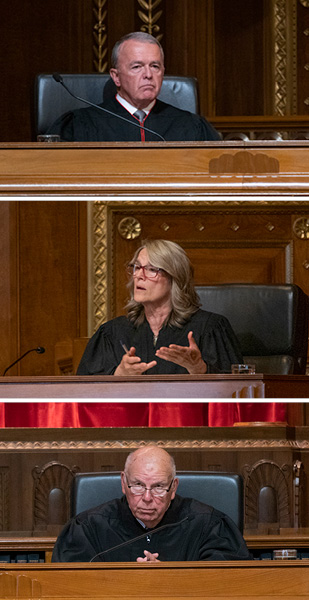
pixel 149 271
pixel 138 489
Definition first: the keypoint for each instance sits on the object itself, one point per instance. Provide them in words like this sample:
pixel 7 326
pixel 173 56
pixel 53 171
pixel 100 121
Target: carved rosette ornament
pixel 129 228
pixel 100 36
pixel 150 17
pixel 301 228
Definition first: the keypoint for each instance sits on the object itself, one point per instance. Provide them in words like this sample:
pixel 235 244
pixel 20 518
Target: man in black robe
pixel 137 71
pixel 149 483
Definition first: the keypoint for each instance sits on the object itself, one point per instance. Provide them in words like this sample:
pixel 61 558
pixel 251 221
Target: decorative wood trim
pixel 100 248
pixel 284 57
pixel 150 18
pixel 100 36
pixel 51 476
pixel 264 474
pixel 137 443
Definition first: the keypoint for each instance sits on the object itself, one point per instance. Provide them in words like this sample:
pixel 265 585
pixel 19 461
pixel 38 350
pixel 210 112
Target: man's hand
pixel 186 356
pixel 132 364
pixel 148 557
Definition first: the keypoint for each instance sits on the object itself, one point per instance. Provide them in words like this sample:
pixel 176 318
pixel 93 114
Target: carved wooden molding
pixel 267 474
pixel 101 253
pixel 100 36
pixel 52 476
pixel 284 53
pixel 196 444
pixel 150 17
pixel 244 162
pixel 20 586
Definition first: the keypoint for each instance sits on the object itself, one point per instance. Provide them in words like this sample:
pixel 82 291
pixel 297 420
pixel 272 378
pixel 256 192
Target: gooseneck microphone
pixel 39 350
pixel 57 77
pixel 144 535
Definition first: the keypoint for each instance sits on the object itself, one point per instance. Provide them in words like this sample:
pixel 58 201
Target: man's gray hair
pixel 139 36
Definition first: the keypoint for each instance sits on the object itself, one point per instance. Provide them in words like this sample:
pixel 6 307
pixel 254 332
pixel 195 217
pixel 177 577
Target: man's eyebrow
pixel 136 62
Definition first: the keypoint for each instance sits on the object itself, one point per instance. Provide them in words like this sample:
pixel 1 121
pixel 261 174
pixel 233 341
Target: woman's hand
pixel 132 364
pixel 188 357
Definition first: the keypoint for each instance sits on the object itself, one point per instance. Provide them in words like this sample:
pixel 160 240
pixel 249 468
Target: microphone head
pixel 40 350
pixel 57 78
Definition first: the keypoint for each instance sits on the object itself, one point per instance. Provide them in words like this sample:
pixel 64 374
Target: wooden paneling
pixel 45 280
pixel 226 244
pixel 36 38
pixel 44 242
pixel 239 57
pixel 28 453
pixel 226 45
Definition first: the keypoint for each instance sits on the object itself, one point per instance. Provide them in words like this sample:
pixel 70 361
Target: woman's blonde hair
pixel 170 257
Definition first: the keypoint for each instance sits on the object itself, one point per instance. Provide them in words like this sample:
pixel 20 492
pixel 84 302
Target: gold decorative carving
pixel 165 226
pixel 284 57
pixel 234 227
pixel 269 227
pixel 99 215
pixel 53 476
pixel 260 476
pixel 298 493
pixel 129 228
pixel 91 445
pixel 301 228
pixel 99 261
pixel 100 36
pixel 244 162
pixel 304 3
pixel 150 18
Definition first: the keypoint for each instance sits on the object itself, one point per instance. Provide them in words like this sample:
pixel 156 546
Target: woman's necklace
pixel 155 339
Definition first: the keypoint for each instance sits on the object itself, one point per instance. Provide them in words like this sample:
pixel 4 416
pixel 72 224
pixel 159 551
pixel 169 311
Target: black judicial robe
pixel 208 534
pixel 212 332
pixel 92 125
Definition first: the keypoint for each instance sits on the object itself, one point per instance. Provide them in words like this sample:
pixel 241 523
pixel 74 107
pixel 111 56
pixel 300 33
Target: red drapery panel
pixel 138 414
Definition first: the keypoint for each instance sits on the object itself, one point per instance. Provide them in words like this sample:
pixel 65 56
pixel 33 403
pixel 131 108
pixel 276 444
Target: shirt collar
pixel 129 107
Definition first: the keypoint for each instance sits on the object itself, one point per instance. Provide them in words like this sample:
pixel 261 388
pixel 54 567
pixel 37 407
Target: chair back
pixel 270 322
pixel 223 491
pixel 52 100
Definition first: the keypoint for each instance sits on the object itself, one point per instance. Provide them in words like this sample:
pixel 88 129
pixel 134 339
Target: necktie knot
pixel 140 115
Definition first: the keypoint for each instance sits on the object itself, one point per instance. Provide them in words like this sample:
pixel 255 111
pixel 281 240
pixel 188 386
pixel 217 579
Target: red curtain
pixel 138 414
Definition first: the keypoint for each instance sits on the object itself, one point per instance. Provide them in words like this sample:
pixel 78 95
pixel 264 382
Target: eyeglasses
pixel 158 491
pixel 149 271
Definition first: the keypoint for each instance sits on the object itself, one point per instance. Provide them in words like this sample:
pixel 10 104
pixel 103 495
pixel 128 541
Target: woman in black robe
pixel 165 331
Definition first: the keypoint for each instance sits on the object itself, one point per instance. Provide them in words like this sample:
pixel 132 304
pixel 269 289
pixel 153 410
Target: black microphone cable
pixel 39 350
pixel 57 77
pixel 144 535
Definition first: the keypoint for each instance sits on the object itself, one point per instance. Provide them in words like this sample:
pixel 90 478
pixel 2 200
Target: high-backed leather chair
pixel 224 491
pixel 52 100
pixel 270 321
